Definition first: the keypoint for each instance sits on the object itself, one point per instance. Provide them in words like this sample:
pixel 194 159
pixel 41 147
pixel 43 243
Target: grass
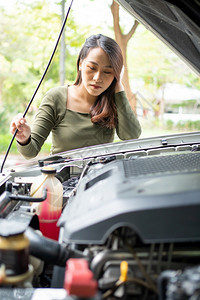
pixel 5 140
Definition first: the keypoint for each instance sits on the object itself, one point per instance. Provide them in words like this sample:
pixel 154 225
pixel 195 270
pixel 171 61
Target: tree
pixel 122 40
pixel 32 29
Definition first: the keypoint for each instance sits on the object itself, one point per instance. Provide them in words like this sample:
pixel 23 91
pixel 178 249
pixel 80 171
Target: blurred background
pixel 162 90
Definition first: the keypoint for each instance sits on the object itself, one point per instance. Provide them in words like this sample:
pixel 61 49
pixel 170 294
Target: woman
pixel 87 112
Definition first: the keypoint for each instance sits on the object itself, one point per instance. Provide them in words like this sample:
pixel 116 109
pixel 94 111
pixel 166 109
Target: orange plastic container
pixel 48 211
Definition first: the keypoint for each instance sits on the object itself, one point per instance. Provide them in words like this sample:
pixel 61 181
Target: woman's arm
pixel 46 118
pixel 128 125
pixel 42 125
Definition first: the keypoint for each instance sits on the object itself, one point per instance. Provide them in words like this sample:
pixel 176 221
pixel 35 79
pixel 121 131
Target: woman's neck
pixel 79 100
pixel 84 96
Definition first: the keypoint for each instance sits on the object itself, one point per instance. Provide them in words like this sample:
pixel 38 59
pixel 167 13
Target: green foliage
pixel 27 38
pixel 5 141
pixel 3 121
pixel 186 103
pixel 169 124
pixel 183 125
pixel 188 125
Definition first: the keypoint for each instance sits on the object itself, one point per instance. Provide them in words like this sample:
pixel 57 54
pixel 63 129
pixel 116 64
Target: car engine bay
pixel 129 226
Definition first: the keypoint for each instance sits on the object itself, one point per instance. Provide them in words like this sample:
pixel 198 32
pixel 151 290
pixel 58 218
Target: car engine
pixel 129 227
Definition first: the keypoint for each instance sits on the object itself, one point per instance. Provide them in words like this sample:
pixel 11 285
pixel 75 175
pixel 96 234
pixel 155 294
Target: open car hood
pixel 177 23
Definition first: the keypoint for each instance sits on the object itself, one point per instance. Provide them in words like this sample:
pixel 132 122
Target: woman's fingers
pixel 16 123
pixel 24 131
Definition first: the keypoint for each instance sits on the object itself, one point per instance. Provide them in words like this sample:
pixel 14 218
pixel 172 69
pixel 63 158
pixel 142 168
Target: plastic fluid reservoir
pixel 49 210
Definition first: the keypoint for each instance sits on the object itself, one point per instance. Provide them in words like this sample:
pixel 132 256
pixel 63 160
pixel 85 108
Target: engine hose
pixel 102 257
pixel 49 250
pixel 163 280
pixel 142 269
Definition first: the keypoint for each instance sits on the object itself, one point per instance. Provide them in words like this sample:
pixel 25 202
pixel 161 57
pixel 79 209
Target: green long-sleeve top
pixel 71 129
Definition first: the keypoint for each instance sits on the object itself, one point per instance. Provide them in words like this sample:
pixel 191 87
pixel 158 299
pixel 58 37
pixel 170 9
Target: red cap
pixel 79 279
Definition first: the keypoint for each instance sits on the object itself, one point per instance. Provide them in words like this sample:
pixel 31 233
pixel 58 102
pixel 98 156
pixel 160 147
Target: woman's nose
pixel 97 77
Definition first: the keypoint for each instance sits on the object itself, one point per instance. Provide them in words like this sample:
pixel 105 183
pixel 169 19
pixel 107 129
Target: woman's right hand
pixel 24 130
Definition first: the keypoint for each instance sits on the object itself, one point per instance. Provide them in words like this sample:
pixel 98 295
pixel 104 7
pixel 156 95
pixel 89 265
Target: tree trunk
pixel 122 40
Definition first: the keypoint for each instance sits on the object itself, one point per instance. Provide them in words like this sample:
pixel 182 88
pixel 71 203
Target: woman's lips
pixel 95 86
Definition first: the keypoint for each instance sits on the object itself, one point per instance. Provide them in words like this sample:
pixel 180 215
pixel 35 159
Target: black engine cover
pixel 157 196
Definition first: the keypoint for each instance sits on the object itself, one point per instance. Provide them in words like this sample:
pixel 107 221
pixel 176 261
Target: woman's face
pixel 97 72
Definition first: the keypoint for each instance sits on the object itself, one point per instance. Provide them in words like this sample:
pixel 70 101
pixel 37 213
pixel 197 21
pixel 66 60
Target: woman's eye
pixel 107 72
pixel 91 68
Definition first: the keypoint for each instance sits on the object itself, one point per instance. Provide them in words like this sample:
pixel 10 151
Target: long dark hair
pixel 103 112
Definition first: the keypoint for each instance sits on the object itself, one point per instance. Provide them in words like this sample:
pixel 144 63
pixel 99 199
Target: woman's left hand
pixel 119 86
